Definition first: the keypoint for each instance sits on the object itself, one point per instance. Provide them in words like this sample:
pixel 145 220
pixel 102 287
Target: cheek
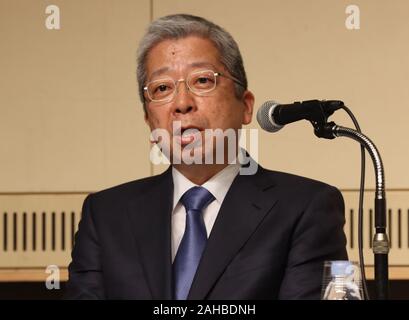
pixel 153 120
pixel 215 116
pixel 227 114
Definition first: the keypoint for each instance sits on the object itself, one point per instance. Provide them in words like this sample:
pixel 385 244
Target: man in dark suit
pixel 203 230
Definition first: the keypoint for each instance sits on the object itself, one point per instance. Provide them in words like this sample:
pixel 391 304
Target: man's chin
pixel 198 155
pixel 189 155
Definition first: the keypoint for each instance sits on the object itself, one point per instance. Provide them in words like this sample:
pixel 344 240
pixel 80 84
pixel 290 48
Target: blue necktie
pixel 193 242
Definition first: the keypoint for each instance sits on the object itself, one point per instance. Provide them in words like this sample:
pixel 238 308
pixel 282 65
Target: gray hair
pixel 180 26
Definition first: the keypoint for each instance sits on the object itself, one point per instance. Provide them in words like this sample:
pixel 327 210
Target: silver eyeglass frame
pixel 185 80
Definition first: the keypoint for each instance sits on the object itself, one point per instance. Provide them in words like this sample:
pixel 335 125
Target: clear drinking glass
pixel 341 281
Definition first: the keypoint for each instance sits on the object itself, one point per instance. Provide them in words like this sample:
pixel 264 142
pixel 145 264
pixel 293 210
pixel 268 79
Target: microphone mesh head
pixel 265 118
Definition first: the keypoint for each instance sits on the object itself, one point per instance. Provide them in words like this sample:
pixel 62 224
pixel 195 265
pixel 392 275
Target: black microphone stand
pixel 380 244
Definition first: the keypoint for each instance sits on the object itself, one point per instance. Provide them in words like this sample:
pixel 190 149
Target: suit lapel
pixel 150 218
pixel 249 199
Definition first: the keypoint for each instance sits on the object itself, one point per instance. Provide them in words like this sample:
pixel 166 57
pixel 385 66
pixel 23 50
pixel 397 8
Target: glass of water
pixel 341 281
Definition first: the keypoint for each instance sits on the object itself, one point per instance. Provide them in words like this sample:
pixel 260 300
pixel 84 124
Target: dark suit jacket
pixel 269 241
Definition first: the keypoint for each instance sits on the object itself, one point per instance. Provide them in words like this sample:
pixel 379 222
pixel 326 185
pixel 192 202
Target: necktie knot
pixel 196 198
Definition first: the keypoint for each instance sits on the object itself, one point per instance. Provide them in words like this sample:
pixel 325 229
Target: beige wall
pixel 71 119
pixel 70 116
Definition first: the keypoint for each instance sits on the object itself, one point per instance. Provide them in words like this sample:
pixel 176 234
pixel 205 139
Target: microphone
pixel 272 116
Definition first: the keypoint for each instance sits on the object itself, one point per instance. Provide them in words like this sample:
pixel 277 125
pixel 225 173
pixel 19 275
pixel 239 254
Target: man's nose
pixel 184 101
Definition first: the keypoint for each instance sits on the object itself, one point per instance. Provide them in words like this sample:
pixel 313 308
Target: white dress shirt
pixel 218 186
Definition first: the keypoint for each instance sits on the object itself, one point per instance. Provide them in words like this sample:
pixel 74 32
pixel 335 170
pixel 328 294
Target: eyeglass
pixel 199 82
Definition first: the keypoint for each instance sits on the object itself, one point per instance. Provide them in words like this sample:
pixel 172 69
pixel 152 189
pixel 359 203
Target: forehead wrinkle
pixel 163 70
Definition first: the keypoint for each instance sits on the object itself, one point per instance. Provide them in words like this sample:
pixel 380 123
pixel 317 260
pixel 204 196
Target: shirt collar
pixel 218 185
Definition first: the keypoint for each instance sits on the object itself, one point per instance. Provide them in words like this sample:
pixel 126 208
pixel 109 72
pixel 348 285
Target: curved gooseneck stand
pixel 330 130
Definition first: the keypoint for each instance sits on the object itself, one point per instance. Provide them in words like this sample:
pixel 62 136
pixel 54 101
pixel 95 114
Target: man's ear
pixel 248 101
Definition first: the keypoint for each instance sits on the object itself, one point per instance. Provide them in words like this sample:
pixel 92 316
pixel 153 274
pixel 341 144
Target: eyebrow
pixel 159 71
pixel 194 65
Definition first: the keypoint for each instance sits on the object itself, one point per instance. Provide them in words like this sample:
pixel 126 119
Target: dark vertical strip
pixel 399 229
pixel 5 234
pixel 63 231
pixel 34 226
pixel 24 231
pixel 390 227
pixel 43 231
pixel 351 228
pixel 407 230
pixel 370 227
pixel 72 228
pixel 15 231
pixel 53 231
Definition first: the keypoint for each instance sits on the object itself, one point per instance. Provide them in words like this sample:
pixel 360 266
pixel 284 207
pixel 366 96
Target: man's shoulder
pixel 292 181
pixel 130 189
pixel 299 190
